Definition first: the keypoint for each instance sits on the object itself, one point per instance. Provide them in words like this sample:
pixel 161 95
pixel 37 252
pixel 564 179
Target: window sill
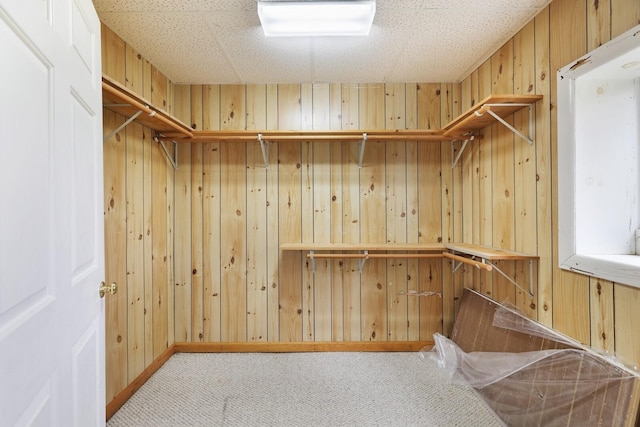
pixel 623 269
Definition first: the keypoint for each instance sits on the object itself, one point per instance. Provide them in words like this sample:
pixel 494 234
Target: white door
pixel 51 217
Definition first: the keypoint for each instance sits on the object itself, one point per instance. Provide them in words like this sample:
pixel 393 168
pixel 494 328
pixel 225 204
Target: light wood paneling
pixel 197 220
pixel 429 180
pixel 137 226
pixel 544 195
pixel 183 236
pixel 566 19
pixel 233 216
pixel 373 289
pixel 224 206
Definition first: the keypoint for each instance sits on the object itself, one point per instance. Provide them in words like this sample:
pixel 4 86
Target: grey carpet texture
pixel 302 389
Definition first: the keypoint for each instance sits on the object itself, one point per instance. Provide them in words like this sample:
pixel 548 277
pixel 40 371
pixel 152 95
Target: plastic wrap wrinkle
pixel 556 387
pixel 510 319
pixel 480 369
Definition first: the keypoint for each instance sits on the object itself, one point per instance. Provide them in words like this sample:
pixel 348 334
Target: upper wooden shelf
pixel 123 101
pixel 120 99
pixel 477 117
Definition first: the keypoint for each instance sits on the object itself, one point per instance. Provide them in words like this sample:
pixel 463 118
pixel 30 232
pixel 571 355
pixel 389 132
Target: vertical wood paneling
pixel 322 289
pixel 598 23
pixel 430 210
pixel 114 159
pixel 624 16
pixel 113 50
pixel 307 205
pixel 485 190
pixel 159 255
pixel 602 322
pixel 254 299
pixel 524 193
pixel 136 301
pixel 450 282
pixel 412 209
pixel 233 214
pixel 116 336
pixel 170 212
pixel 396 189
pixel 290 216
pixel 182 227
pixel 336 214
pixel 627 316
pixel 197 284
pixel 372 216
pixel 256 219
pixel 211 216
pixel 273 206
pixel 351 214
pixel 566 19
pixel 503 175
pixel 544 171
pixel 135 251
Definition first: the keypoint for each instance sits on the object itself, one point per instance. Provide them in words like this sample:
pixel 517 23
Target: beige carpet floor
pixel 302 389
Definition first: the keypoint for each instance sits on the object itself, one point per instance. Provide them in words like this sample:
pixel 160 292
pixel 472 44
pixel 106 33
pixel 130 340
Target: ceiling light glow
pixel 316 18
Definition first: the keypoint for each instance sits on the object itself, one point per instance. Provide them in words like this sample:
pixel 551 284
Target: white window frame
pixel 588 125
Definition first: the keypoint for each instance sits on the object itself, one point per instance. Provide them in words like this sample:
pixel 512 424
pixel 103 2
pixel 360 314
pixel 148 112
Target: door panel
pixel 51 225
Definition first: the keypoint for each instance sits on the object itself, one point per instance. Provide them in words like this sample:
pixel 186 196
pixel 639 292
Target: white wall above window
pixel 599 161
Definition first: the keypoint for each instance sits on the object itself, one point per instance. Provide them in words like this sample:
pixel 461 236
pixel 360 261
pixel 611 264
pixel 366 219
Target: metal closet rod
pixel 311 135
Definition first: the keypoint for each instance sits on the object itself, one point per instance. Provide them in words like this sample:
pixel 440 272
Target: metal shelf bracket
pixel 264 146
pixel 361 146
pixel 173 160
pixel 122 126
pixel 464 145
pixel 509 126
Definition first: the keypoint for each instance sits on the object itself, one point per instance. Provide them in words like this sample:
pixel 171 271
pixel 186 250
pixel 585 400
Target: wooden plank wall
pixel 138 225
pixel 229 279
pixel 311 192
pixel 512 186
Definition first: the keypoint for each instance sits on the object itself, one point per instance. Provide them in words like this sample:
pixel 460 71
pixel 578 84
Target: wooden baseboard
pixel 294 347
pixel 129 390
pixel 256 347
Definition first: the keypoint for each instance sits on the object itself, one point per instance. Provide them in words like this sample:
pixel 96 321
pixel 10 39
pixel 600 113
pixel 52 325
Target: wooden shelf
pixel 389 247
pixel 478 118
pixel 118 98
pixel 311 135
pixel 478 256
pixel 488 252
pixel 121 100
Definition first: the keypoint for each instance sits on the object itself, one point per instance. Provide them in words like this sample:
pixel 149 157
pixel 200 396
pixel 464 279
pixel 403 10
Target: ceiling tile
pixel 221 41
pixel 181 46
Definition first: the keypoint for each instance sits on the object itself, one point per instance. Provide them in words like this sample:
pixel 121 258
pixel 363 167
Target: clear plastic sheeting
pixel 557 387
pixel 509 318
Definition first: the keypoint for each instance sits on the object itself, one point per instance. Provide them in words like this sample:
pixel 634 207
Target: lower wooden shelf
pixel 479 256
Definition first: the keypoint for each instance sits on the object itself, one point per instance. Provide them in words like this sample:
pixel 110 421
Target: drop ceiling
pixel 221 41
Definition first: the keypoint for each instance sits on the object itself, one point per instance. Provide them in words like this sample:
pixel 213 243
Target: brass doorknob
pixel 104 288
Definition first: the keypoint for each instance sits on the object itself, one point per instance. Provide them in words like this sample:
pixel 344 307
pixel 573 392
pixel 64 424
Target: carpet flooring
pixel 302 389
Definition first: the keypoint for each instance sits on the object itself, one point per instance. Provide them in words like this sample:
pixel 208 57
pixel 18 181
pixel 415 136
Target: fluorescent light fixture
pixel 281 18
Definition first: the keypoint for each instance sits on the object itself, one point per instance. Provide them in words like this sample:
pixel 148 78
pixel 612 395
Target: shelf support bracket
pixel 313 261
pixel 509 126
pixel 264 146
pixel 464 145
pixel 122 126
pixel 513 282
pixel 361 146
pixel 173 160
pixel 362 261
